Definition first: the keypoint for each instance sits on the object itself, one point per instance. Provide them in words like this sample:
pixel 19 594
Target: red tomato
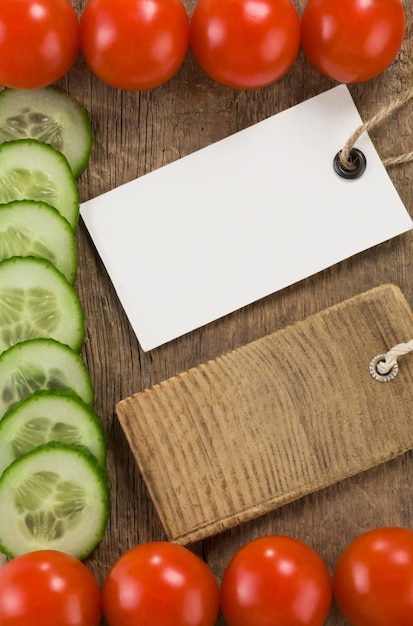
pixel 48 588
pixel 160 583
pixel 373 580
pixel 276 581
pixel 39 42
pixel 245 43
pixel 355 40
pixel 134 44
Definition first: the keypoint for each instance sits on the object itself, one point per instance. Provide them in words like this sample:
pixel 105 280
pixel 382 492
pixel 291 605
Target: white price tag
pixel 241 219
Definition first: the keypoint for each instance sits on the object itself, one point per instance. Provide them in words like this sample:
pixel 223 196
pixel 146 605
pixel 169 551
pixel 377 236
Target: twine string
pixel 345 156
pixel 392 355
pixel 386 364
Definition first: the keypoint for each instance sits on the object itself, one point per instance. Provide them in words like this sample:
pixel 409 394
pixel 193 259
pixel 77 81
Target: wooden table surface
pixel 136 132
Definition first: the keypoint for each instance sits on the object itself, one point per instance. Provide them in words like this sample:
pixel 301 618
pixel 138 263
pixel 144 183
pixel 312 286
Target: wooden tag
pixel 283 416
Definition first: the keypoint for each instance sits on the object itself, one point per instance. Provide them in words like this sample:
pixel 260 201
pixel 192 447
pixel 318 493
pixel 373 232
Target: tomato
pixel 39 42
pixel 355 40
pixel 48 588
pixel 373 579
pixel 245 43
pixel 160 583
pixel 276 581
pixel 134 44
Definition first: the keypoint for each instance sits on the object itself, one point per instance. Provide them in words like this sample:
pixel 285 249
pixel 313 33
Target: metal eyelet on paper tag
pixel 359 161
pixel 383 378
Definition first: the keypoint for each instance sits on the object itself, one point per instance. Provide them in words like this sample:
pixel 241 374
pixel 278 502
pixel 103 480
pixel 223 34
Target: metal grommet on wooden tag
pixel 382 378
pixel 384 367
pixel 358 161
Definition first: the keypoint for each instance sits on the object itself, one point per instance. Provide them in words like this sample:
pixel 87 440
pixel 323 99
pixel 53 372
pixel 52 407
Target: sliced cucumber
pixel 36 300
pixel 32 170
pixel 31 228
pixel 45 416
pixel 50 115
pixel 55 497
pixel 41 364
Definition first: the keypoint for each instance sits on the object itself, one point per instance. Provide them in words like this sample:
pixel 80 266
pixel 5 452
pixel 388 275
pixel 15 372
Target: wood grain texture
pixel 267 423
pixel 134 134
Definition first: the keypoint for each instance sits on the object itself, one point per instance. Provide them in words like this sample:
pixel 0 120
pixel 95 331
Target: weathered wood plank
pixel 136 132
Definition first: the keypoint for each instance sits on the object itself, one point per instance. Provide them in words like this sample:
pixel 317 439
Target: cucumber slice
pixel 53 498
pixel 41 364
pixel 31 228
pixel 36 300
pixel 32 170
pixel 47 416
pixel 50 115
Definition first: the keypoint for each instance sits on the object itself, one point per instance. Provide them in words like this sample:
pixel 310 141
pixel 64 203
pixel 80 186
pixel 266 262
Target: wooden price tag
pixel 281 417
